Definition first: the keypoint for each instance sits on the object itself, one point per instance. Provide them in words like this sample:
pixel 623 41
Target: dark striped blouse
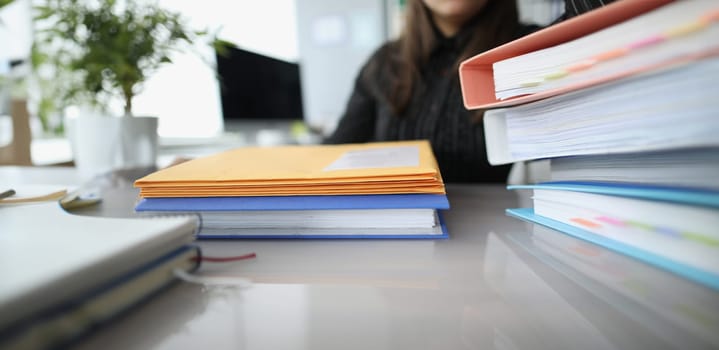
pixel 435 112
pixel 577 7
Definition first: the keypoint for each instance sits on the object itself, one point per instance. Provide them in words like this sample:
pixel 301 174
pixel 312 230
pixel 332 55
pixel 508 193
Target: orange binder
pixel 476 73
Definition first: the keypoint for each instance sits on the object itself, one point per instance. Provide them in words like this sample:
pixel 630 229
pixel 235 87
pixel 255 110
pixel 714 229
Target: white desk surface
pixel 495 284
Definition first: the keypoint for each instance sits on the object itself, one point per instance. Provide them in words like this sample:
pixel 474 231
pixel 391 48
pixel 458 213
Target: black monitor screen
pixel 256 87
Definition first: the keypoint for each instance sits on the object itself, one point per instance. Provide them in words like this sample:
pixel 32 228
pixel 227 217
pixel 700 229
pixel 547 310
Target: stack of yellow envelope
pixel 368 168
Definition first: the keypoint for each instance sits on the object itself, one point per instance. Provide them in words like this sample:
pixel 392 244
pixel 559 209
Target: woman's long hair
pixel 497 23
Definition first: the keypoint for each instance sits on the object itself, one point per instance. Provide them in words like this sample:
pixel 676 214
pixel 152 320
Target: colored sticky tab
pixel 701 238
pixel 710 17
pixel 608 55
pixel 580 66
pixel 653 40
pixel 638 225
pixel 585 222
pixel 531 83
pixel 611 221
pixel 668 231
pixel 686 29
pixel 556 75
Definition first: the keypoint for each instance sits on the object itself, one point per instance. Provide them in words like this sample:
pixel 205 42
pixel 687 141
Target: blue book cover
pixel 381 201
pixel 691 196
pixel 694 274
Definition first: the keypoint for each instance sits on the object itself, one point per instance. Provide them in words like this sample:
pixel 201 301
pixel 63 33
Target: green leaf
pixel 222 47
pixel 4 3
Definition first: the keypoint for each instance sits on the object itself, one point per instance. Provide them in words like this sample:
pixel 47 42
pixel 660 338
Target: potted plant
pixel 104 50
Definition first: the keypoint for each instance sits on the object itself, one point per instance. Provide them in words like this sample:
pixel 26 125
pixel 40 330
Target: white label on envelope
pixel 386 157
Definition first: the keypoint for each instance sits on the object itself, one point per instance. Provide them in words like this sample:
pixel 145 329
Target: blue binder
pixel 686 196
pixel 697 275
pixel 683 195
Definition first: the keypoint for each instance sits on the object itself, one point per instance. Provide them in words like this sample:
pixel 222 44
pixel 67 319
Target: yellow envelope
pixel 368 168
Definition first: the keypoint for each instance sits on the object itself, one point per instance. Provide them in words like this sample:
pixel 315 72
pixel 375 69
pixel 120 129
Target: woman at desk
pixel 409 88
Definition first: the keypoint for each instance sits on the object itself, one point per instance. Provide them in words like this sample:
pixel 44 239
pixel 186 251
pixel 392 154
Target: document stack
pixel 372 190
pixel 622 102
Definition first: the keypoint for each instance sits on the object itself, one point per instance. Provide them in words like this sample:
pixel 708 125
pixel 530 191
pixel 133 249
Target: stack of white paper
pixel 624 47
pixel 669 109
pixel 688 168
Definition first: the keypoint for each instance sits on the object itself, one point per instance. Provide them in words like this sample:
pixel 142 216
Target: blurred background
pixel 302 53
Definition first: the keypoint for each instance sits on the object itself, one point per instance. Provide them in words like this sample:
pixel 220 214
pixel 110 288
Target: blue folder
pixel 682 195
pixel 706 278
pixel 382 201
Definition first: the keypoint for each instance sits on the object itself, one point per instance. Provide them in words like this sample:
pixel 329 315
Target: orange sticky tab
pixel 585 222
pixel 579 66
pixel 608 55
pixel 710 17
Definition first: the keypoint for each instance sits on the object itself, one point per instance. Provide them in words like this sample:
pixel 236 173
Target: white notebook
pixel 54 264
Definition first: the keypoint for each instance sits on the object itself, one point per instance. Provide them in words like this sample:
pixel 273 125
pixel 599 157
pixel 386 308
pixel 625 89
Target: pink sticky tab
pixel 611 221
pixel 647 42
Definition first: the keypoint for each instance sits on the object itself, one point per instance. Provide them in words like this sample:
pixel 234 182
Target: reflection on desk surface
pixel 306 296
pixel 497 283
pixel 676 311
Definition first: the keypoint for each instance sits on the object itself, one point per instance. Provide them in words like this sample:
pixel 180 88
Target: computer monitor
pixel 257 89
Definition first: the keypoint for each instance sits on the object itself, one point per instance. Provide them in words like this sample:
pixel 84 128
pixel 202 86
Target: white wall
pixel 335 38
pixel 15 42
pixel 540 12
pixel 15 30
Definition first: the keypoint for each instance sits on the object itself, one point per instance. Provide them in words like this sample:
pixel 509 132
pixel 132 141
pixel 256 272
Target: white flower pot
pixel 101 144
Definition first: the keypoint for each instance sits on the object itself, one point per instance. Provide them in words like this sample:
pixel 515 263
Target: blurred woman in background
pixel 409 88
